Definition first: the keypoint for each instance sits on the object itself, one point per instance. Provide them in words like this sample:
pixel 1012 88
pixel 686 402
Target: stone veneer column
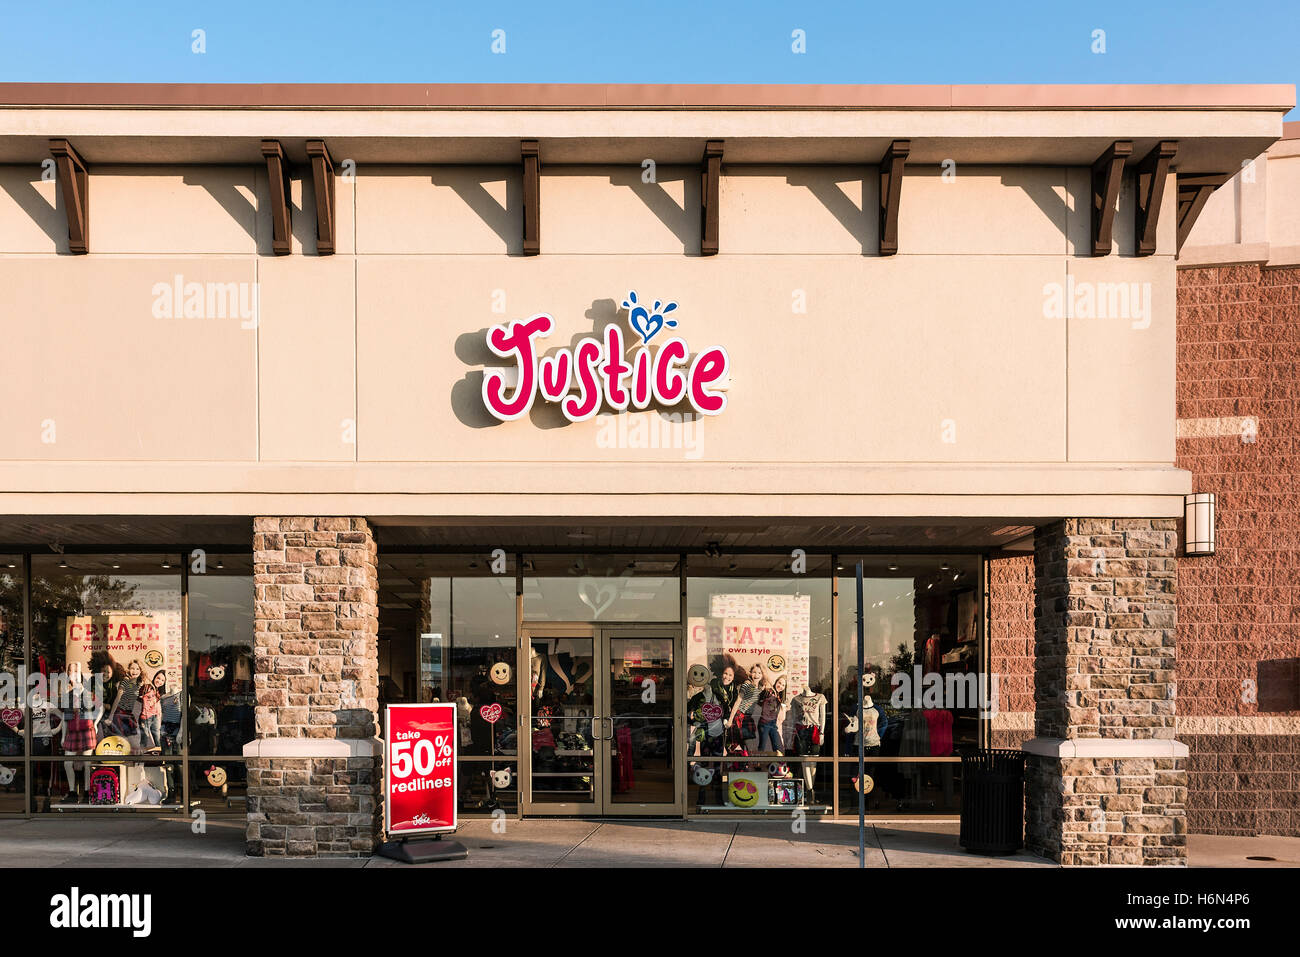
pixel 1106 783
pixel 314 770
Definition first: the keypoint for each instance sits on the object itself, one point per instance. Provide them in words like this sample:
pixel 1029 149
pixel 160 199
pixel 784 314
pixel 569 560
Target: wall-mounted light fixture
pixel 1198 510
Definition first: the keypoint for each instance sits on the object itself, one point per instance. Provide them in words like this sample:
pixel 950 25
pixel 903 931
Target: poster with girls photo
pixel 748 663
pixel 137 656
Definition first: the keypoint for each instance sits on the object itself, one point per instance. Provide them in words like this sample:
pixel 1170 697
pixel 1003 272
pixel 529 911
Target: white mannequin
pixel 84 703
pixel 538 672
pixel 810 711
pixel 870 717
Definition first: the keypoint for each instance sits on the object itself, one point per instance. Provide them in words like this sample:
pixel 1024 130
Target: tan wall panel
pixel 441 209
pixel 606 210
pixel 887 350
pixel 189 210
pixel 32 216
pixel 799 210
pixel 1007 210
pixel 1283 215
pixel 306 359
pixel 1121 366
pixel 86 352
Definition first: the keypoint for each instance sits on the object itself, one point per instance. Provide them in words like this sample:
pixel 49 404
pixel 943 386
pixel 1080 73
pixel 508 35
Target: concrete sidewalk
pixel 95 842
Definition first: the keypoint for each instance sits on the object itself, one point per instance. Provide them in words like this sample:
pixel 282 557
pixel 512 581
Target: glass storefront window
pixel 218 701
pixel 453 616
pixel 902 787
pixel 759 672
pixel 107 781
pixel 602 588
pixel 920 694
pixel 13 783
pixel 217 786
pixel 107 645
pixel 486 786
pixel 15 710
pixel 109 704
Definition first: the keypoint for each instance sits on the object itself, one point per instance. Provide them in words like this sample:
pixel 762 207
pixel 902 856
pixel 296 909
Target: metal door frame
pixel 527 806
pixel 677 748
pixel 601 636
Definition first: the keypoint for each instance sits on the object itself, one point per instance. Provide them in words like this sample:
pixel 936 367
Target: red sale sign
pixel 420 769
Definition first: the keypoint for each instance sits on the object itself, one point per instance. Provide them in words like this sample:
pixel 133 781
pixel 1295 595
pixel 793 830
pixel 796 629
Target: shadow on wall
pixel 1070 209
pixel 467 183
pixel 471 349
pixel 467 394
pixel 683 221
pixel 238 206
pixel 51 219
pixel 1054 205
pixel 862 221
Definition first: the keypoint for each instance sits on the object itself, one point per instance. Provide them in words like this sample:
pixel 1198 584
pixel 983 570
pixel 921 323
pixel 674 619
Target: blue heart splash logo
pixel 647 321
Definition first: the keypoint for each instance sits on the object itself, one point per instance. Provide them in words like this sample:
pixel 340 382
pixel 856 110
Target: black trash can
pixel 993 801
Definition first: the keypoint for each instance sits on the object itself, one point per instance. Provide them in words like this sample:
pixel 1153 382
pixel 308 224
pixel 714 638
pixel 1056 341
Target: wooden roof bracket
pixel 1107 172
pixel 73 181
pixel 891 192
pixel 277 175
pixel 710 196
pixel 322 180
pixel 1194 189
pixel 1152 173
pixel 532 159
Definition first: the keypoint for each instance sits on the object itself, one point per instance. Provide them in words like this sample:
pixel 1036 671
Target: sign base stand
pixel 425 851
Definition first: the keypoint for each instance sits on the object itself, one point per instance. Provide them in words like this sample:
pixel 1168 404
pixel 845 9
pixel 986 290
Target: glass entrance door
pixel 643 741
pixel 562 730
pixel 601 726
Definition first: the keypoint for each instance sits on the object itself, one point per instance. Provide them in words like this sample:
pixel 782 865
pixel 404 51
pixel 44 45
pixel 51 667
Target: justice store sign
pixel 420 769
pixel 597 374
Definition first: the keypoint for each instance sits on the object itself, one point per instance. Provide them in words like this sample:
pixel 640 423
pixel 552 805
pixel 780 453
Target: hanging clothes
pixel 625 776
pixel 932 653
pixel 916 736
pixel 940 726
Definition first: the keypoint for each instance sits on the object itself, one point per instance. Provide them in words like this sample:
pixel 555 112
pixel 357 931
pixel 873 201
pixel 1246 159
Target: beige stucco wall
pixel 897 369
pixel 1255 216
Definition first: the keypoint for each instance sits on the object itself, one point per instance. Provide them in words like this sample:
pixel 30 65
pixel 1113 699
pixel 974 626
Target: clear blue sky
pixel 698 41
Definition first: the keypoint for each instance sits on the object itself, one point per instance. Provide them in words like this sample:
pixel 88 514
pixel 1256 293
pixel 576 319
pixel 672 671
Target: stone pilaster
pixel 314 772
pixel 1106 782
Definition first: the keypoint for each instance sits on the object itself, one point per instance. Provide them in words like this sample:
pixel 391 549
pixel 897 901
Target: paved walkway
pixel 169 843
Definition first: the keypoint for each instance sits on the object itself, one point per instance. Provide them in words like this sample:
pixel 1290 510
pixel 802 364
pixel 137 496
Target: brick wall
pixel 314 770
pixel 1238 369
pixel 1239 434
pixel 1105 592
pixel 1011 648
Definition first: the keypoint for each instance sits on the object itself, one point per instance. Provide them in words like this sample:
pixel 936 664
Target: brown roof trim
pixel 574 95
pixel 1291 131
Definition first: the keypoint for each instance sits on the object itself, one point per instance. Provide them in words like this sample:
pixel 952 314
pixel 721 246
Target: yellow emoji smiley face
pixel 113 746
pixel 698 676
pixel 500 673
pixel 743 792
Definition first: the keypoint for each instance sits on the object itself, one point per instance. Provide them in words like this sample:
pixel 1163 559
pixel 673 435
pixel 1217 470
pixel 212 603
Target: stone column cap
pixel 1065 748
pixel 314 748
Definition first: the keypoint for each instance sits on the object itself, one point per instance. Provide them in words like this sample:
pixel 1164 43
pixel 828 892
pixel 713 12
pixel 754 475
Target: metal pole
pixel 862 797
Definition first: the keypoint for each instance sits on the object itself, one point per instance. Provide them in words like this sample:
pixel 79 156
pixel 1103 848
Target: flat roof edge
pixel 1267 97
